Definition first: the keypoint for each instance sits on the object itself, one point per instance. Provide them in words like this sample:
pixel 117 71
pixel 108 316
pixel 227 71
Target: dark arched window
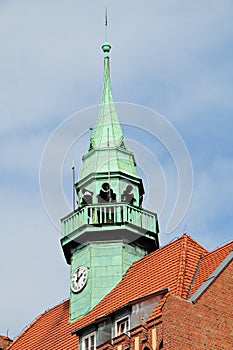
pixel 106 194
pixel 86 196
pixel 128 195
pixel 161 345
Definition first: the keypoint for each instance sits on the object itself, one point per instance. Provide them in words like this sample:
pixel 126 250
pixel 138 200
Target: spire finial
pixel 108 132
pixel 106 23
pixel 106 47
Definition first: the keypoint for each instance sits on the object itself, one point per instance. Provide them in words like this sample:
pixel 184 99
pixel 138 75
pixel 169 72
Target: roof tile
pixel 209 263
pixel 172 266
pixel 154 272
pixel 48 331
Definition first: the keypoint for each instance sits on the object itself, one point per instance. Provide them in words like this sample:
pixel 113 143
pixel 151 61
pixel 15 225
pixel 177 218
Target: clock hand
pixel 78 277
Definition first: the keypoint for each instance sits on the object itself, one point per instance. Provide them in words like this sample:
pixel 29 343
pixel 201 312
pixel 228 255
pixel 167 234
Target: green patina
pixel 108 132
pixel 106 263
pixel 108 150
pixel 106 237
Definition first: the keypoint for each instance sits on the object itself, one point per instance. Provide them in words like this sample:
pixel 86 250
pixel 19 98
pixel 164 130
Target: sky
pixel 173 60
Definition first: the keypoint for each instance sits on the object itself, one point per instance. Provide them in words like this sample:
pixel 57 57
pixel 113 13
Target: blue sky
pixel 174 57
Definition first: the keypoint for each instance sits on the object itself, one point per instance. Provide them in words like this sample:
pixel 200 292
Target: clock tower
pixel 110 229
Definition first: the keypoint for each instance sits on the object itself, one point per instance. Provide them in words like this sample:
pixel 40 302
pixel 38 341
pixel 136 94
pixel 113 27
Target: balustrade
pixel 108 214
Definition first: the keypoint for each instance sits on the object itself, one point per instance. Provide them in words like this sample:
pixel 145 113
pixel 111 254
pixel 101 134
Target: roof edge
pixel 222 247
pixel 194 276
pixel 182 265
pixel 211 278
pixel 29 325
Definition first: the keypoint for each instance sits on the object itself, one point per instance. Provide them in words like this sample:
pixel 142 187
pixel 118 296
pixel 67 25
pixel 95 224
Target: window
pixel 122 326
pixel 161 345
pixel 89 342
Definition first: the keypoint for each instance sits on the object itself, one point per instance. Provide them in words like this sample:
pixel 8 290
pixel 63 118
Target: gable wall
pixel 207 324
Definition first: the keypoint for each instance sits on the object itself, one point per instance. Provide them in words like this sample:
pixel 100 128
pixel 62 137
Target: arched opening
pixel 146 348
pixel 161 345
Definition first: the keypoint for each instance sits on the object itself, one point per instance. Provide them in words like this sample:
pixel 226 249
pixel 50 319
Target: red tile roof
pixel 209 263
pixel 172 266
pixel 166 267
pixel 50 331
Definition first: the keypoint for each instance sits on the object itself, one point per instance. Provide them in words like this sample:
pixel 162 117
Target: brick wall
pixel 207 324
pixel 140 338
pixel 4 342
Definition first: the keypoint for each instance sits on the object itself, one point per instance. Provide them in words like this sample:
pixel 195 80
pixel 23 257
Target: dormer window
pixel 122 326
pixel 89 342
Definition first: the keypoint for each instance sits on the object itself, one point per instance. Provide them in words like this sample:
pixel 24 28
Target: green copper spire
pixel 108 132
pixel 108 150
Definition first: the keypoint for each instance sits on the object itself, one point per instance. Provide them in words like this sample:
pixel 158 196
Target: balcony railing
pixel 108 214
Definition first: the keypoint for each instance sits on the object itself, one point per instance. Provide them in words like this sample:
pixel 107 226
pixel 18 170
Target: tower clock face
pixel 79 279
